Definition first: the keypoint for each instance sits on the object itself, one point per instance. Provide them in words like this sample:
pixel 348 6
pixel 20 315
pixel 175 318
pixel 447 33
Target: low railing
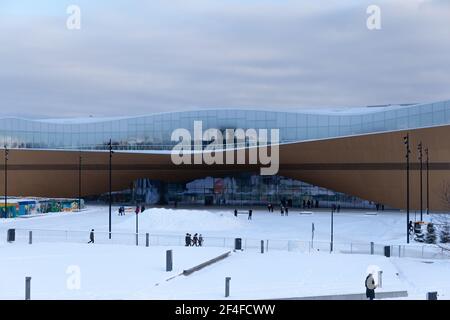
pixel 249 244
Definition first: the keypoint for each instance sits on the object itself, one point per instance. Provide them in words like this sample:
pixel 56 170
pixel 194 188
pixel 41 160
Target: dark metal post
pixel 110 184
pixel 137 228
pixel 6 181
pixel 30 237
pixel 79 183
pixel 227 287
pixel 419 148
pixel 408 151
pixel 262 246
pixel 27 288
pixel 428 181
pixel 169 260
pixel 147 239
pixel 332 223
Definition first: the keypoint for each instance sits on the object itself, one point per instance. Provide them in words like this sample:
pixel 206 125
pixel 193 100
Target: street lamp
pixel 6 181
pixel 79 182
pixel 332 224
pixel 110 183
pixel 419 148
pixel 428 181
pixel 408 151
pixel 137 227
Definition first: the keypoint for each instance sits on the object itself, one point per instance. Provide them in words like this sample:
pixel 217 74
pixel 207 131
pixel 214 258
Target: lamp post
pixel 110 183
pixel 79 182
pixel 428 181
pixel 408 151
pixel 419 148
pixel 6 181
pixel 137 227
pixel 332 224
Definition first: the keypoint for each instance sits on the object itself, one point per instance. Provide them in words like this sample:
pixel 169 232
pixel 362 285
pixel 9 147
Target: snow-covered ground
pixel 352 226
pixel 115 271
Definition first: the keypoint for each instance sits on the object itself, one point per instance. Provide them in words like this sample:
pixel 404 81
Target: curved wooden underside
pixel 371 167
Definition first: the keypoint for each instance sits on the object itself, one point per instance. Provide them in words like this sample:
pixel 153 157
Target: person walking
pixel 287 211
pixel 91 236
pixel 282 210
pixel 200 240
pixel 370 287
pixel 250 212
pixel 235 212
pixel 187 240
pixel 195 240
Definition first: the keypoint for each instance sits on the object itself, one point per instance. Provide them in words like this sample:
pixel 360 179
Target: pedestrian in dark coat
pixel 250 212
pixel 91 236
pixel 286 210
pixel 370 287
pixel 200 240
pixel 195 240
pixel 187 240
pixel 235 212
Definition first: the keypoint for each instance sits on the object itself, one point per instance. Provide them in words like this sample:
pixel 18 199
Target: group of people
pixel 250 213
pixel 310 204
pixel 283 208
pixel 193 241
pixel 137 210
pixel 336 208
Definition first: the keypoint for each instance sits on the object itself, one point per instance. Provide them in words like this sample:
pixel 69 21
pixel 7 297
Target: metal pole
pixel 169 260
pixel 408 151
pixel 6 181
pixel 30 237
pixel 428 182
pixel 312 235
pixel 332 222
pixel 110 184
pixel 419 147
pixel 79 183
pixel 137 228
pixel 227 287
pixel 27 288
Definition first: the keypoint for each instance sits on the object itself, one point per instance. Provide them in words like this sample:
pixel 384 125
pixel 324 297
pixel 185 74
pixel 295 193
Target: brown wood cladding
pixel 369 166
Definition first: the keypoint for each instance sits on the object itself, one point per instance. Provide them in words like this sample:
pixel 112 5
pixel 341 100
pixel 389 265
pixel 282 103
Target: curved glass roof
pixel 153 132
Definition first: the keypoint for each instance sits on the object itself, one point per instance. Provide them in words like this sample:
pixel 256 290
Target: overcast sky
pixel 137 57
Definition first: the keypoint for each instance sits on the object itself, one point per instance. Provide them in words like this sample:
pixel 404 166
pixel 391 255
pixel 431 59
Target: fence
pixel 249 244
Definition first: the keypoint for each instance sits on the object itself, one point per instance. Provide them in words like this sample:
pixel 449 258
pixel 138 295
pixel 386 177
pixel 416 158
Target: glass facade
pixel 153 132
pixel 240 190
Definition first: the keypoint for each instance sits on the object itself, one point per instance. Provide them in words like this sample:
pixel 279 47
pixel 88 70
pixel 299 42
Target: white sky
pixel 136 57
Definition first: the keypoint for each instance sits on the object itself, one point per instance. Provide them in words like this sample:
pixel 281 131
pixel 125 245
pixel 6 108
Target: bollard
pixel 380 279
pixel 169 260
pixel 262 246
pixel 432 295
pixel 27 288
pixel 11 235
pixel 147 239
pixel 387 251
pixel 30 237
pixel 227 287
pixel 137 239
pixel 372 247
